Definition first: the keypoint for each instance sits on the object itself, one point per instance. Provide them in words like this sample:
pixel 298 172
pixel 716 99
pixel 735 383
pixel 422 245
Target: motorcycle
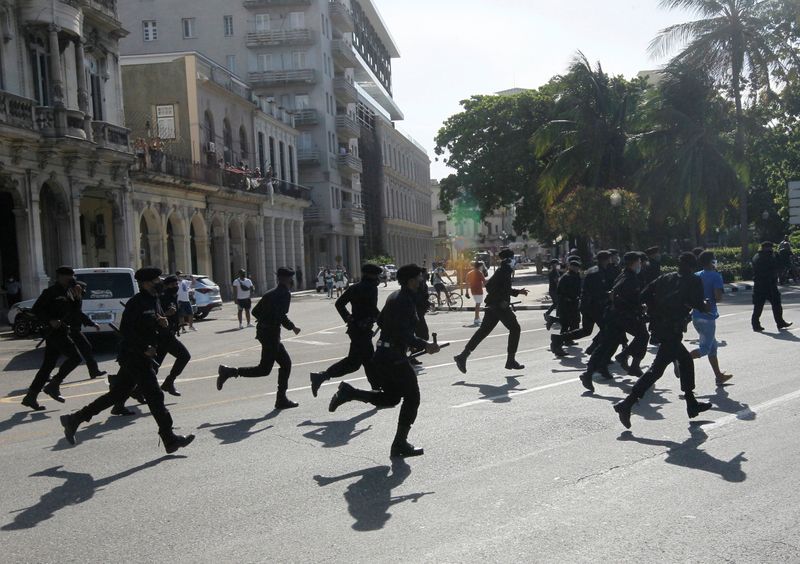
pixel 26 324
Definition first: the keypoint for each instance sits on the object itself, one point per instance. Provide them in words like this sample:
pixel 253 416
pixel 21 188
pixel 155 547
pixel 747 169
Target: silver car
pixel 206 296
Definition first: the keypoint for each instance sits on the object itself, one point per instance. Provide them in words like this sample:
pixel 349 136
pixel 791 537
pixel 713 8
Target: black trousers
pixel 141 375
pixel 613 335
pixel 170 344
pixel 761 296
pixel 360 354
pixel 670 350
pixel 272 351
pixel 491 318
pixel 56 345
pixel 398 383
pixel 590 317
pixel 85 348
pixel 553 304
pixel 570 317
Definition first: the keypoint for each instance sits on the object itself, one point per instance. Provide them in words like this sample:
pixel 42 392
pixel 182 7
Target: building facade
pixel 313 59
pixel 64 150
pixel 199 205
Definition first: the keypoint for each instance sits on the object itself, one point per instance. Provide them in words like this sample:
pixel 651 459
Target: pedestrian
pixel 669 300
pixel 338 280
pixel 765 288
pixel 705 321
pixel 498 310
pixel 244 293
pixel 184 301
pixel 397 322
pixel 140 326
pixel 299 276
pixel 13 291
pixel 329 283
pixel 553 277
pixel 437 281
pixel 271 314
pixel 363 300
pixel 76 322
pixel 53 308
pixel 476 281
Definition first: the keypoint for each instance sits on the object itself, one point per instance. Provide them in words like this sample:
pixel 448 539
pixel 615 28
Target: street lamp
pixel 616 201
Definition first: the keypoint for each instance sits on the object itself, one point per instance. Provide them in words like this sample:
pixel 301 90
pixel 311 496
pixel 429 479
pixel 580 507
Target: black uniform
pixel 552 289
pixel 594 298
pixel 56 303
pixel 765 288
pixel 169 343
pixel 569 294
pixel 421 299
pixel 652 271
pixel 140 331
pixel 77 320
pixel 363 300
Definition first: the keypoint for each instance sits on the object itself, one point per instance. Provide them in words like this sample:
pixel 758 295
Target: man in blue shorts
pixel 706 322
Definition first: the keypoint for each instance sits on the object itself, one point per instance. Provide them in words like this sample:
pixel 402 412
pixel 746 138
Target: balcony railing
pixel 341 16
pixel 306 117
pixel 274 78
pixel 314 214
pixel 291 190
pixel 347 127
pixel 275 3
pixel 353 215
pixel 106 8
pixel 17 111
pixel 261 38
pixel 349 162
pixel 111 136
pixel 306 157
pixel 343 54
pixel 345 90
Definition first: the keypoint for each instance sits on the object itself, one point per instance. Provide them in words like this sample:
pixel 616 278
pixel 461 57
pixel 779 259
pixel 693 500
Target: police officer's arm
pixel 283 308
pixel 406 320
pixel 341 304
pixel 41 307
pixel 134 328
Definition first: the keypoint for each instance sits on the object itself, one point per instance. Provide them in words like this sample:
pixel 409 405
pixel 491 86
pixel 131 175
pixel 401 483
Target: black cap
pixel 147 274
pixel 370 268
pixel 688 259
pixel 284 272
pixel 632 257
pixel 603 255
pixel 613 252
pixel 555 261
pixel 65 271
pixel 407 272
pixel 767 245
pixel 575 261
pixel 506 254
pixel 643 256
pixel 653 250
pixel 171 279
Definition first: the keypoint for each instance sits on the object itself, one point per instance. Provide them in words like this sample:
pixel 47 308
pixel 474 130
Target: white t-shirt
pixel 244 288
pixel 183 290
pixel 437 275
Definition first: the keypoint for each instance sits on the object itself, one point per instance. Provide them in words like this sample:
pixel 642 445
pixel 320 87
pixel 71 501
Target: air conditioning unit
pixel 211 147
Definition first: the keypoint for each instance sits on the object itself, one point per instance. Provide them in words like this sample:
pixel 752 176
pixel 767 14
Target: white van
pixel 107 289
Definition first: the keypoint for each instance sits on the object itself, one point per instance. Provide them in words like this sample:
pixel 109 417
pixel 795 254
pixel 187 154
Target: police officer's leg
pixel 147 382
pixel 121 388
pixel 406 377
pixel 85 348
pixel 67 348
pixel 759 299
pixel 284 371
pixel 182 357
pixel 610 338
pixel 51 354
pixel 367 352
pixel 264 367
pixel 509 321
pixel 684 358
pixel 666 354
pixel 777 306
pixel 348 364
pixel 638 346
pixel 490 320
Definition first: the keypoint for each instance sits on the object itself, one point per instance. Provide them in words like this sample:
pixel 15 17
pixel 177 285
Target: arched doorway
pixel 199 246
pixel 219 252
pixel 227 142
pixel 150 240
pixel 176 244
pixel 253 258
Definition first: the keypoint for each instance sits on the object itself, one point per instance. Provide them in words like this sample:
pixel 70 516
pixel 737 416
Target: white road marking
pixel 750 412
pixel 316 343
pixel 515 394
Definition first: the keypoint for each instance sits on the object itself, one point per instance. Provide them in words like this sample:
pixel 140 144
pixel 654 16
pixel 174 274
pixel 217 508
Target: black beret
pixel 171 279
pixel 632 257
pixel 407 272
pixel 613 252
pixel 147 274
pixel 643 256
pixel 603 255
pixel 555 261
pixel 284 272
pixel 575 261
pixel 653 250
pixel 370 268
pixel 65 271
pixel 506 254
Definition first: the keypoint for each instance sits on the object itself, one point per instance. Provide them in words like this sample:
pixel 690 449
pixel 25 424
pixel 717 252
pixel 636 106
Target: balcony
pixel 353 215
pixel 291 190
pixel 308 157
pixel 345 91
pixel 306 117
pixel 259 38
pixel 105 13
pixel 110 136
pixel 17 111
pixel 349 163
pixel 278 78
pixel 314 214
pixel 343 54
pixel 341 16
pixel 50 122
pixel 347 127
pixel 275 3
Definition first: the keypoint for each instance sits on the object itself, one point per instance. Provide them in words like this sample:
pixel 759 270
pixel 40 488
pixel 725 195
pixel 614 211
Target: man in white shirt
pixel 184 301
pixel 244 291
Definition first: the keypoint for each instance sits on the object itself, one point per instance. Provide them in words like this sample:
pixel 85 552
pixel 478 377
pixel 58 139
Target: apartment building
pixel 312 59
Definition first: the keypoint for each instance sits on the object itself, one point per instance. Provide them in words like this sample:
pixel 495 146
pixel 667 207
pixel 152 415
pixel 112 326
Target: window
pixel 282 155
pixel 291 164
pixel 272 155
pixel 230 62
pixel 227 23
pixel 188 28
pixel 261 156
pixel 301 102
pixel 41 76
pixel 165 120
pixel 264 62
pixel 297 20
pixel 262 22
pixel 298 60
pixel 150 29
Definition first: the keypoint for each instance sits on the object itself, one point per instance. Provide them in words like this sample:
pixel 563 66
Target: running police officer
pixel 498 310
pixel 397 322
pixel 569 295
pixel 670 299
pixel 765 288
pixel 553 277
pixel 140 326
pixel 77 321
pixel 271 314
pixel 168 336
pixel 363 300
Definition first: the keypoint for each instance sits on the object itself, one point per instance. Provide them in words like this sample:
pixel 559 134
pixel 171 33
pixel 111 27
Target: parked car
pixel 15 310
pixel 206 296
pixel 25 323
pixel 391 271
pixel 107 292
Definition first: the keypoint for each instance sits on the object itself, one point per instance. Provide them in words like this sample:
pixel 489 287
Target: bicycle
pixel 452 299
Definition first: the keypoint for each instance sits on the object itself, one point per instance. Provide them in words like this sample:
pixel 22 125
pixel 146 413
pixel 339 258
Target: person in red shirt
pixel 476 281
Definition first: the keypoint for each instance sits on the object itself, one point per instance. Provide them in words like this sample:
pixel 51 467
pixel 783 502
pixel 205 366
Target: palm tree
pixel 684 150
pixel 731 41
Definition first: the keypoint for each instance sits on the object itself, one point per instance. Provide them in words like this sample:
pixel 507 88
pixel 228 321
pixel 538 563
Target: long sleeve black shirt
pixel 398 320
pixel 139 326
pixel 498 288
pixel 272 311
pixel 363 300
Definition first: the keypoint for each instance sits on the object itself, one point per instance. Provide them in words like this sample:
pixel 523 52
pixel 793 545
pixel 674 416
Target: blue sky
pixel 452 49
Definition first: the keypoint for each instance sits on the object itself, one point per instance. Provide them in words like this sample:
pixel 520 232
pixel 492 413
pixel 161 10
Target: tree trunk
pixel 739 155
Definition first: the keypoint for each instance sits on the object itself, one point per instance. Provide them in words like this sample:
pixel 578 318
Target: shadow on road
pixel 237 431
pixel 78 487
pixel 495 394
pixel 369 499
pixel 689 455
pixel 723 402
pixel 32 360
pixel 20 419
pixel 334 434
pixel 96 430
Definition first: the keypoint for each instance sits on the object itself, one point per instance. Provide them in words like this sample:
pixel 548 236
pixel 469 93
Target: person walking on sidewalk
pixel 498 310
pixel 705 321
pixel 244 293
pixel 765 288
pixel 476 282
pixel 271 314
pixel 184 301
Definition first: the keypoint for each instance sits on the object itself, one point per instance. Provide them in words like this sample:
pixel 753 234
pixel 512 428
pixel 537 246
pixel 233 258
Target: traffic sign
pixel 794 203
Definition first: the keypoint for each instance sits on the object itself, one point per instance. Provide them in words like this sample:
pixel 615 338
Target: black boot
pixel 461 361
pixel 317 379
pixel 623 410
pixel 225 372
pixel 556 346
pixel 169 386
pixel 53 390
pixel 785 325
pixel 122 410
pixel 138 397
pixel 512 364
pixel 343 395
pixel 30 401
pixel 586 380
pixel 70 424
pixel 96 373
pixel 282 402
pixel 173 442
pixel 548 321
pixel 758 328
pixel 401 448
pixel 694 407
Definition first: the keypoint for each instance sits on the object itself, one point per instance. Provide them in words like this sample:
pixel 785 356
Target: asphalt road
pixel 519 466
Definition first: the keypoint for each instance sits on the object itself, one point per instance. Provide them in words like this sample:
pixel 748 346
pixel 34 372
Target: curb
pixel 516 308
pixel 736 288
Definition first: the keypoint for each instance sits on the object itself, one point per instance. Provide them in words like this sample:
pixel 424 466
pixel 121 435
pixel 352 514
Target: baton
pixel 435 342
